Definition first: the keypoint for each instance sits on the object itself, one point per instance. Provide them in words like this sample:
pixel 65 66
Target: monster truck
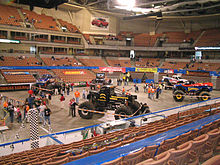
pixel 201 90
pixel 170 81
pixel 108 99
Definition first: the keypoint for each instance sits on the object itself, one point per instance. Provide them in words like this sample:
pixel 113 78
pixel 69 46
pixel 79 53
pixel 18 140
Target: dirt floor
pixel 60 119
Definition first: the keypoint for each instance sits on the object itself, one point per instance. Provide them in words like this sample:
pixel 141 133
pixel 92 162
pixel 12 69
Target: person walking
pixel 11 112
pixel 47 113
pixel 62 100
pixel 77 95
pixel 73 107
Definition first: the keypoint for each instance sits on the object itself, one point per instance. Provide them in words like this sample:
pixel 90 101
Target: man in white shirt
pixel 41 108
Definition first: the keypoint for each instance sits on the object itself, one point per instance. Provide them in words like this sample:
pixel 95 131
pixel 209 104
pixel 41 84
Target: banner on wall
pixel 112 69
pixel 80 84
pixel 99 23
pixel 16 73
pixel 168 71
pixel 154 70
pixel 73 72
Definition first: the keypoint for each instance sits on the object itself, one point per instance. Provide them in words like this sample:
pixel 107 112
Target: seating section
pixel 205 66
pixel 70 27
pixel 147 62
pixel 9 16
pixel 63 61
pixel 18 76
pixel 20 61
pixel 211 37
pixel 40 21
pixel 119 62
pixel 174 65
pixel 191 146
pixel 175 37
pixel 75 75
pixel 93 62
pixel 145 39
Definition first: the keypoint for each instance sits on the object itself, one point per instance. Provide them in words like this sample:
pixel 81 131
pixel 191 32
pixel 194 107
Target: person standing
pixel 56 91
pixel 73 107
pixel 123 90
pixel 62 100
pixel 47 113
pixel 68 89
pixel 11 112
pixel 5 106
pixel 84 93
pixel 72 86
pixel 18 114
pixel 157 92
pixel 77 95
pixel 149 91
pixel 152 93
pixel 41 108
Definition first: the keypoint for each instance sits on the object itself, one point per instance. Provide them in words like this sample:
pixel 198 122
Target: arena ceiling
pixel 133 9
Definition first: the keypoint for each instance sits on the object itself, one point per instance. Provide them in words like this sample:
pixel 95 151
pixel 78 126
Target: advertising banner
pixel 99 23
pixel 73 72
pixel 16 73
pixel 112 69
pixel 168 71
pixel 80 84
pixel 154 70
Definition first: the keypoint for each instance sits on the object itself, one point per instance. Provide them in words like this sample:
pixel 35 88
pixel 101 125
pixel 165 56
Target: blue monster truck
pixel 201 90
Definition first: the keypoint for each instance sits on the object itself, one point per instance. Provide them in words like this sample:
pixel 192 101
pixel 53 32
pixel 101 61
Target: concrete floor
pixel 60 119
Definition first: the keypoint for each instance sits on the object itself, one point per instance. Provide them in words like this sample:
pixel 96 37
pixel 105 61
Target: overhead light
pixel 10 41
pixel 128 4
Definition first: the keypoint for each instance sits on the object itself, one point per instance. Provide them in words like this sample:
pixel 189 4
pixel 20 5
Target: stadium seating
pixel 119 62
pixel 9 16
pixel 61 61
pixel 20 61
pixel 40 21
pixel 189 150
pixel 145 40
pixel 205 66
pixel 209 38
pixel 22 78
pixel 174 65
pixel 93 62
pixel 147 62
pixel 70 27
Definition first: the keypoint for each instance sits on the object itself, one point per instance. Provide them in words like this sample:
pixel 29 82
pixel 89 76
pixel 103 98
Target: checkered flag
pixel 34 134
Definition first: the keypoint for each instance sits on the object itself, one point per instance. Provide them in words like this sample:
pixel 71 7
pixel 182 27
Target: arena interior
pixel 152 65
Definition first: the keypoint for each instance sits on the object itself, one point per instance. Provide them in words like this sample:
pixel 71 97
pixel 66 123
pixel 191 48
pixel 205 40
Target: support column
pixel 156 77
pixel 9 34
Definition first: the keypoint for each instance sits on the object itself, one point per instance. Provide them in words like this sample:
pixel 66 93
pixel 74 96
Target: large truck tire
pixel 123 110
pixel 178 96
pixel 134 107
pixel 85 114
pixel 204 96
